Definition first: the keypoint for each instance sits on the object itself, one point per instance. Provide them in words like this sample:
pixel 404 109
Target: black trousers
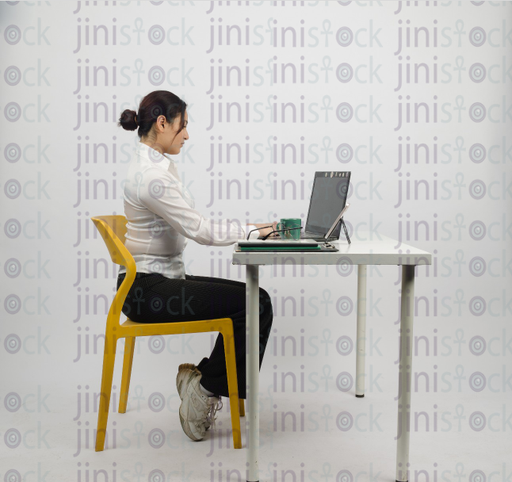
pixel 154 298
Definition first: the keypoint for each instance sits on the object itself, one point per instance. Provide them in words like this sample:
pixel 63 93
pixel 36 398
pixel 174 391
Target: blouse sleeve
pixel 162 195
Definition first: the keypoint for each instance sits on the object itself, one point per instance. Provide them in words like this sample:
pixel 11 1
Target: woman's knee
pixel 264 296
pixel 265 302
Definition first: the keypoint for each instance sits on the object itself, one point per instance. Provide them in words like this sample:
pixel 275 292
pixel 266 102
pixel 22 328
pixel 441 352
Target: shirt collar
pixel 163 161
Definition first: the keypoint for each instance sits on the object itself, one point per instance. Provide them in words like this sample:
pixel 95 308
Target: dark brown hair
pixel 157 103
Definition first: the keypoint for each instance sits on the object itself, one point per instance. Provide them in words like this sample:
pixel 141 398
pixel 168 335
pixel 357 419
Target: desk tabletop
pixel 366 248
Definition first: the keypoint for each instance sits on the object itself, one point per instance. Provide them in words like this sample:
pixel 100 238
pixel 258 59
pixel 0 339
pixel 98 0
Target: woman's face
pixel 174 142
pixel 167 141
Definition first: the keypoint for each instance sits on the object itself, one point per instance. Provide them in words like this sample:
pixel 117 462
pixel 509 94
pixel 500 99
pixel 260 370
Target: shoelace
pixel 214 405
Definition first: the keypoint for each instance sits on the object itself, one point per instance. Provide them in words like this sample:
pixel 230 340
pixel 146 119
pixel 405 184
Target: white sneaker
pixel 197 410
pixel 183 372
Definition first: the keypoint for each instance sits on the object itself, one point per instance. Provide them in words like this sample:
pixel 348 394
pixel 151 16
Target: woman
pixel 161 218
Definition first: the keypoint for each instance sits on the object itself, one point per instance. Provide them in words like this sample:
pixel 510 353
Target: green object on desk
pixel 282 248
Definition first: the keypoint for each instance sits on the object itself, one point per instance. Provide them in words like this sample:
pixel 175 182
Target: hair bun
pixel 128 120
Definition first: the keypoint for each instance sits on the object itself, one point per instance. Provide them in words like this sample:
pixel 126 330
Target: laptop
pixel 328 198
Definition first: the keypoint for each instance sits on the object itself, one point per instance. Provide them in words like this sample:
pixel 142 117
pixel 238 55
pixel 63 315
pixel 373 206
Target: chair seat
pixel 133 328
pixel 129 322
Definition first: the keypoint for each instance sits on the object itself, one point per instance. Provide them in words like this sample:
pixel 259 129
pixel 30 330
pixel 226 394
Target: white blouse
pixel 161 216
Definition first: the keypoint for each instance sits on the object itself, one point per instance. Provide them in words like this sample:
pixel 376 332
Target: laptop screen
pixel 328 198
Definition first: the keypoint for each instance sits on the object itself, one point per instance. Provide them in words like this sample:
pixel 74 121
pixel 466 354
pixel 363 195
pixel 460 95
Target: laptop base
pixel 317 237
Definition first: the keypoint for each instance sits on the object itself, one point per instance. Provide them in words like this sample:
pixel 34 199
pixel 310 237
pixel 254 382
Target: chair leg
pixel 229 352
pixel 109 357
pixel 129 347
pixel 241 407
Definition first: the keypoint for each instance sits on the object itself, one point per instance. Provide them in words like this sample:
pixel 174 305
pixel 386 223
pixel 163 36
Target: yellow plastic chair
pixel 113 231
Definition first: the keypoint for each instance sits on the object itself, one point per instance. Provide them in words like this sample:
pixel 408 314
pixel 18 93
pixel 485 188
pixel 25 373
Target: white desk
pixel 361 253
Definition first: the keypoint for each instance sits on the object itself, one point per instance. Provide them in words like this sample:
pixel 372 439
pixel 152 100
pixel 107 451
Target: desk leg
pixel 404 377
pixel 252 370
pixel 361 330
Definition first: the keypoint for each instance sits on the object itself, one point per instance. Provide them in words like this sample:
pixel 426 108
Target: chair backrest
pixel 113 232
pixel 116 223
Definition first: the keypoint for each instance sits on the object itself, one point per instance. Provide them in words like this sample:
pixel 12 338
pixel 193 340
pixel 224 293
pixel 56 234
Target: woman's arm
pixel 161 194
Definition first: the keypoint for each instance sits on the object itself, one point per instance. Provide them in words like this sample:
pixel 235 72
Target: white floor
pixel 57 444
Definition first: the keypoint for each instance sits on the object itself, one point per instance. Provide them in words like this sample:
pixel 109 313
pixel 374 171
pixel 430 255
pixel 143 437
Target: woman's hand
pixel 265 230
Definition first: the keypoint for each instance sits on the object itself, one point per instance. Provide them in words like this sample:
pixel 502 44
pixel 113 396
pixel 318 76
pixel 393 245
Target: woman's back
pixel 155 244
